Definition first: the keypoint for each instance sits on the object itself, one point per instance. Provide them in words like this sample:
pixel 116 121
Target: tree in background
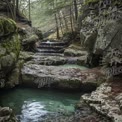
pixel 61 15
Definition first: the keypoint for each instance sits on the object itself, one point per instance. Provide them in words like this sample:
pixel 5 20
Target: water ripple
pixel 32 111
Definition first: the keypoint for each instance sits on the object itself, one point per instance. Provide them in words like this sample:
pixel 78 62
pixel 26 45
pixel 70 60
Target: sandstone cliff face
pixel 101 29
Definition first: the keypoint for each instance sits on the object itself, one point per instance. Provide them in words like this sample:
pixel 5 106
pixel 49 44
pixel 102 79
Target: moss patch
pixel 7 26
pixel 91 1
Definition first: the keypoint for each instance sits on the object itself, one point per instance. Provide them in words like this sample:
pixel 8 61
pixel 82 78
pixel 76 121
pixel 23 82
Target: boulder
pixel 6 115
pixel 7 26
pixel 38 33
pixel 28 37
pixel 74 51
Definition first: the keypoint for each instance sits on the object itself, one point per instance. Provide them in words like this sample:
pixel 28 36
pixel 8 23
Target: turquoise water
pixel 74 66
pixel 32 105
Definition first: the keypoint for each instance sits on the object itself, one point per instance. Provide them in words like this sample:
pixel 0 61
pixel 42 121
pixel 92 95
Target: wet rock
pixel 13 78
pixel 73 51
pixel 2 83
pixel 38 33
pixel 59 77
pixel 106 101
pixel 26 56
pixel 9 48
pixel 28 37
pixel 89 39
pixel 80 60
pixel 37 58
pixel 49 60
pixel 8 61
pixel 119 99
pixel 30 40
pixel 6 115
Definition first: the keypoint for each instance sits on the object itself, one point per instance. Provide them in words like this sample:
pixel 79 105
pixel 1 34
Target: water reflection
pixel 32 111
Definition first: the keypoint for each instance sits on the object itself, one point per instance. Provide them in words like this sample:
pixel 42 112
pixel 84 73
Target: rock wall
pixel 101 29
pixel 9 52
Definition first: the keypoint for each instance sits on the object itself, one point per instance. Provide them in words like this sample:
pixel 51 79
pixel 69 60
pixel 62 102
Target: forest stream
pixel 60 60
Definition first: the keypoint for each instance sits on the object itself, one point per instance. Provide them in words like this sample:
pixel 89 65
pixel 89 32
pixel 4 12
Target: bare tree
pixel 57 28
pixel 76 9
pixel 71 19
pixel 29 9
pixel 60 21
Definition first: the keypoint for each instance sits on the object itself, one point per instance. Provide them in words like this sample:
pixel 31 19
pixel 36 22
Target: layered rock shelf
pixel 107 100
pixel 60 77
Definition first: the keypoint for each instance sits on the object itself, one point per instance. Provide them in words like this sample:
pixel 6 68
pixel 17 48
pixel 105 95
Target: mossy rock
pixel 10 44
pixel 90 1
pixel 9 50
pixel 38 33
pixel 30 40
pixel 7 26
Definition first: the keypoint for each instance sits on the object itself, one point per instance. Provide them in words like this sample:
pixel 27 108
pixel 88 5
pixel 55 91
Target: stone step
pixel 50 47
pixel 50 54
pixel 50 50
pixel 54 43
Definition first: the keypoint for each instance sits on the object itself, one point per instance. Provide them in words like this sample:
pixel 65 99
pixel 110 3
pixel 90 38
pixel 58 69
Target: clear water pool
pixel 34 105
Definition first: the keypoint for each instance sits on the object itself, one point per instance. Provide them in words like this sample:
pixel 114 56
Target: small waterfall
pixel 52 48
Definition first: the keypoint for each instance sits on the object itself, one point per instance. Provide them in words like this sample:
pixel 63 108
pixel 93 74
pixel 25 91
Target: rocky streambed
pixel 102 100
pixel 60 77
pixel 107 100
pixel 37 105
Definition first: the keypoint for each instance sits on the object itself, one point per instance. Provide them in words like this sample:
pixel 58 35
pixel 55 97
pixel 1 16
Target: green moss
pixel 117 2
pixel 7 26
pixel 12 44
pixel 2 51
pixel 90 1
pixel 1 28
pixel 8 61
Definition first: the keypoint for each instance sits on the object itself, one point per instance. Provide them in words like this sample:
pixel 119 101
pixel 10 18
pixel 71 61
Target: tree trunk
pixel 76 9
pixel 60 22
pixel 17 5
pixel 65 21
pixel 14 9
pixel 57 28
pixel 71 19
pixel 29 10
